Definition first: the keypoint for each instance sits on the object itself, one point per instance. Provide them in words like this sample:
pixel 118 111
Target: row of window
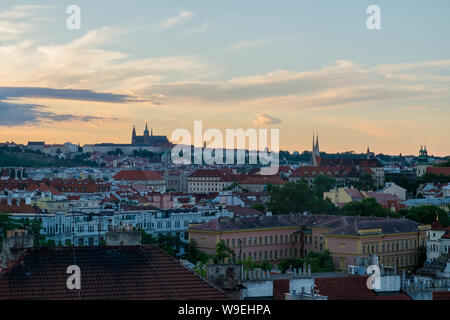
pixel 400 261
pixel 255 241
pixel 390 246
pixel 271 254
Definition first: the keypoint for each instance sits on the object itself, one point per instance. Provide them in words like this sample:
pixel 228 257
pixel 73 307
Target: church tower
pixel 315 156
pixel 133 135
pixel 146 130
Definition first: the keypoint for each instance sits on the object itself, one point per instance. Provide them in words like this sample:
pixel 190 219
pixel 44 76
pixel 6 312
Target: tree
pixel 319 261
pixel 248 264
pixel 427 214
pixel 223 252
pixel 367 207
pixel 33 227
pixel 296 198
pixel 7 223
pixel 259 206
pixel 265 265
pixel 323 184
pixel 193 254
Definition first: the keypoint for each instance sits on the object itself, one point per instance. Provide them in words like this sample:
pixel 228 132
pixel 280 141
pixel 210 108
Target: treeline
pixel 18 157
pixel 299 197
pixel 412 183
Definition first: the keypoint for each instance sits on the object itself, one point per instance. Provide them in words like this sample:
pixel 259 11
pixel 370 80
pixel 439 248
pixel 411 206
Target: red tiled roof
pixel 437 225
pixel 260 179
pixel 243 211
pixel 351 288
pixel 441 295
pixel 209 173
pixel 16 206
pixel 135 272
pixel 439 170
pixel 137 175
pixel 332 171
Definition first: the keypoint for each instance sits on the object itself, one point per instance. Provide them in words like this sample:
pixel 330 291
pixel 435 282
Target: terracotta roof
pixel 372 163
pixel 261 179
pixel 137 175
pixel 437 225
pixel 354 193
pixel 332 171
pixel 135 272
pixel 352 288
pixel 16 206
pixel 439 170
pixel 441 295
pixel 239 211
pixel 209 173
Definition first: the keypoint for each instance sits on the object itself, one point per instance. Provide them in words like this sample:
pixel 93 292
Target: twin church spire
pixel 315 157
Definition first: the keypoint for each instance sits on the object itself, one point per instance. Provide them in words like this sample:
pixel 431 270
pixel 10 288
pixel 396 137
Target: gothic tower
pixel 133 135
pixel 315 156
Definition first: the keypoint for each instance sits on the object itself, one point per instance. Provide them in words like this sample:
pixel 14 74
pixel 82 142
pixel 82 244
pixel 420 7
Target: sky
pixel 297 66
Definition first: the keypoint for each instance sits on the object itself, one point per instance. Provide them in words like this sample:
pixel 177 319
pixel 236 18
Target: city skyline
pixel 299 68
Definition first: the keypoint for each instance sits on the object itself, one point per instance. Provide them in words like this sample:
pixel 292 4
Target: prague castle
pixel 148 141
pixel 148 138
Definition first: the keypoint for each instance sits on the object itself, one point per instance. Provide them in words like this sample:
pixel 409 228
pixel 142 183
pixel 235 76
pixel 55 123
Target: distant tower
pixel 315 156
pixel 422 161
pixel 133 135
pixel 146 130
pixel 369 154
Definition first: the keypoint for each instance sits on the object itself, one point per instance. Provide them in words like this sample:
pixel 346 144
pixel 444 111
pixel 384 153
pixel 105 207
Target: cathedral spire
pixel 313 141
pixel 317 141
pixel 146 130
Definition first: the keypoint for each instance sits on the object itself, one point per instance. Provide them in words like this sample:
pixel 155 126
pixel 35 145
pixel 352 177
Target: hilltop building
pixel 148 138
pixel 148 142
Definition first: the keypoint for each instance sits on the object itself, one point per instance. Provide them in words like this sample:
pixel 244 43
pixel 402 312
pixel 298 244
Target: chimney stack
pixel 14 244
pixel 123 238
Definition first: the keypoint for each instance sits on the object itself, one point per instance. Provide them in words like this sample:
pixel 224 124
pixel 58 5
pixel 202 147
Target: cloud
pixel 258 42
pixel 82 64
pixel 15 114
pixel 340 85
pixel 18 20
pixel 200 29
pixel 181 17
pixel 264 120
pixel 65 94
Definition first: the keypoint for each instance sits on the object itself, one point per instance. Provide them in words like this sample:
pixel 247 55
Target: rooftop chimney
pixel 14 244
pixel 123 238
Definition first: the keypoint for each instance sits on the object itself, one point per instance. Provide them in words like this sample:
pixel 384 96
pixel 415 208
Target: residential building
pixel 438 242
pixel 395 241
pixel 141 177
